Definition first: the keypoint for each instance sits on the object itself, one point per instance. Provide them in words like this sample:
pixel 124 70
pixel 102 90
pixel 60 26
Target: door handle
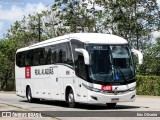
pixel 56 79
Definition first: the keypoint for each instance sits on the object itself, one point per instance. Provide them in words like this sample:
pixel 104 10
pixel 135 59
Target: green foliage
pixel 148 85
pixel 151 65
pixel 132 19
pixel 7 58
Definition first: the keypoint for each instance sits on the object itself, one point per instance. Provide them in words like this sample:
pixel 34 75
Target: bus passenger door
pixel 81 72
pixel 54 84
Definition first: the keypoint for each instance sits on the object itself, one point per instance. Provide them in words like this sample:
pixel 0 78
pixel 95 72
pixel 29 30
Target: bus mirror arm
pixel 85 54
pixel 140 55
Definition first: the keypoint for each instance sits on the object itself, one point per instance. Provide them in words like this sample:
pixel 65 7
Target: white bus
pixel 77 68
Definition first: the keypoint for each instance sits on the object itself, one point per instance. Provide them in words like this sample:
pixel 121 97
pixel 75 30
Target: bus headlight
pixel 132 89
pixel 91 88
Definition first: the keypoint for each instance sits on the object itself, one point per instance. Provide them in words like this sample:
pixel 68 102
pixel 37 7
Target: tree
pixel 74 16
pixel 7 58
pixel 132 19
pixel 151 65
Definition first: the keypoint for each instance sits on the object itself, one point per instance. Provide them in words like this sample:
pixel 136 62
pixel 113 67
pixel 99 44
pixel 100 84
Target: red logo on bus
pixel 106 88
pixel 28 72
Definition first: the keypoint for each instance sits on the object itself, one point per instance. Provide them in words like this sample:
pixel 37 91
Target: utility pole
pixel 94 16
pixel 137 35
pixel 39 29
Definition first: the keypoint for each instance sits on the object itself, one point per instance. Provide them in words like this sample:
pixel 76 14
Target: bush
pixel 11 85
pixel 148 85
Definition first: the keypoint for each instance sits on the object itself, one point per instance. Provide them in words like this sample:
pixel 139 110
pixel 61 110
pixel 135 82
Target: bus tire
pixel 29 96
pixel 111 105
pixel 71 100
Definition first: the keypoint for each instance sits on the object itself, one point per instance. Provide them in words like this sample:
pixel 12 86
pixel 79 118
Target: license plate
pixel 114 100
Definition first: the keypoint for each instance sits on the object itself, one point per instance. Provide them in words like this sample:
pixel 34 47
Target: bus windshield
pixel 110 63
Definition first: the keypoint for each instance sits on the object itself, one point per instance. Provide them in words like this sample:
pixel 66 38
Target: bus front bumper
pixel 97 97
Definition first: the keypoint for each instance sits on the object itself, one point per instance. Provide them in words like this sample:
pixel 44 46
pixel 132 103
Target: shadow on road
pixel 83 106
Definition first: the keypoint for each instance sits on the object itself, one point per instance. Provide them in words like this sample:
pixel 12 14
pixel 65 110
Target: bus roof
pixel 88 38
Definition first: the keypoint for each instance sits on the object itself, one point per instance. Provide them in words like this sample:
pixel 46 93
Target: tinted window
pixel 48 52
pixel 76 44
pixel 35 57
pixel 54 55
pixel 41 56
pixel 64 54
pixel 60 53
pixel 78 59
pixel 29 58
pixel 68 54
pixel 20 59
pixel 81 67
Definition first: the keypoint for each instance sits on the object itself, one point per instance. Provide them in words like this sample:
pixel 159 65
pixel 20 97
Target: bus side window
pixel 48 53
pixel 35 57
pixel 41 56
pixel 60 55
pixel 76 44
pixel 81 67
pixel 29 58
pixel 57 53
pixel 53 54
pixel 67 49
pixel 20 59
pixel 64 53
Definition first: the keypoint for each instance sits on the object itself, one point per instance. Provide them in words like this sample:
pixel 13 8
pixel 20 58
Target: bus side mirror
pixel 85 54
pixel 140 55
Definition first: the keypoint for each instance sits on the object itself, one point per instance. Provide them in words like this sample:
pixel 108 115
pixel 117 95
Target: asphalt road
pixel 60 110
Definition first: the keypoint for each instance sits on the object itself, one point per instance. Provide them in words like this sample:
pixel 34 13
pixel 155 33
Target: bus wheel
pixel 29 95
pixel 111 105
pixel 71 100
